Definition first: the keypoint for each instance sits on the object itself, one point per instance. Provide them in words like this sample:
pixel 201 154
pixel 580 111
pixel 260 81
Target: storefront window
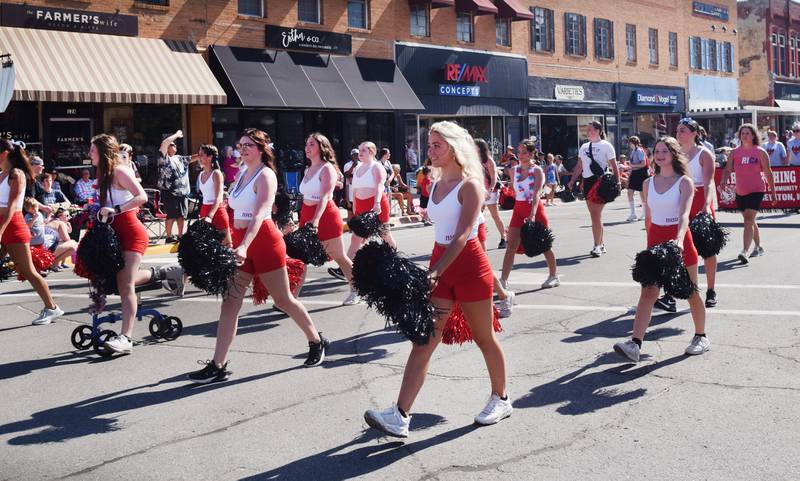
pixel 648 127
pixel 533 128
pixel 151 123
pixel 415 152
pixel 20 121
pixel 499 138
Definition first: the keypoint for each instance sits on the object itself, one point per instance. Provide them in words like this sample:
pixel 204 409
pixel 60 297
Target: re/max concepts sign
pixel 463 73
pixel 459 90
pixel 653 99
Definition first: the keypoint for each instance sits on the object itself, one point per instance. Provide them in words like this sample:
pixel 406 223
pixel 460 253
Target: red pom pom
pixel 593 196
pixel 457 331
pixel 296 271
pixel 80 270
pixel 260 292
pixel 42 260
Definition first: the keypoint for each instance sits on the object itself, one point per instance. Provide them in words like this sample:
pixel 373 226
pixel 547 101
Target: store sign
pixel 308 40
pixel 570 92
pixel 31 16
pixel 648 98
pixel 787 190
pixel 709 10
pixel 459 90
pixel 458 72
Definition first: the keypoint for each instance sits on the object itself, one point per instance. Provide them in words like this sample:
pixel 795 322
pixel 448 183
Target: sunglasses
pixel 687 121
pixel 795 130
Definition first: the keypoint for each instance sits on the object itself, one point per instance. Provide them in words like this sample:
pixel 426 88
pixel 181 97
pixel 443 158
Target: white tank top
pixel 366 179
pixel 242 198
pixel 445 215
pixel 311 187
pixel 207 188
pixel 696 168
pixel 118 197
pixel 664 208
pixel 523 188
pixel 5 193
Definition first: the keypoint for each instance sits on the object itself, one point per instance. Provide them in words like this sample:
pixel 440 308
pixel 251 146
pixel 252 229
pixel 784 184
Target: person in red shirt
pixel 424 194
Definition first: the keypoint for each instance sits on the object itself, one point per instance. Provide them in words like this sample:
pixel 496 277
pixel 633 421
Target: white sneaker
pixel 632 218
pixel 46 316
pixel 389 421
pixel 603 249
pixel 352 299
pixel 596 251
pixel 757 251
pixel 495 411
pixel 120 344
pixel 628 349
pixel 552 281
pixel 505 306
pixel 698 346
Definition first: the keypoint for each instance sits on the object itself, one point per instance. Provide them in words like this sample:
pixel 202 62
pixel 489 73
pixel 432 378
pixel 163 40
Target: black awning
pixel 266 78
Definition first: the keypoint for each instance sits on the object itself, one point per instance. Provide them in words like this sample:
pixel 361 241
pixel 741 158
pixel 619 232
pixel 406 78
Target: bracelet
pixel 117 209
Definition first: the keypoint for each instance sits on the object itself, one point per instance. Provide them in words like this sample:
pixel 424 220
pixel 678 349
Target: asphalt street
pixel 581 412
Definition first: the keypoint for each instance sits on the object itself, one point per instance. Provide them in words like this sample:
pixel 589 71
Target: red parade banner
pixel 787 190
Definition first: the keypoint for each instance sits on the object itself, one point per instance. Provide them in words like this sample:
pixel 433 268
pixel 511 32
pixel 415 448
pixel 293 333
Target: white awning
pixel 788 105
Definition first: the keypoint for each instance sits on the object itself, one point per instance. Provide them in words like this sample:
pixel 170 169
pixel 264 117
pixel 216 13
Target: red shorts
pixel 522 210
pixel 366 205
pixel 266 253
pixel 656 234
pixel 17 231
pixel 330 224
pixel 469 277
pixel 482 232
pixel 698 201
pixel 221 220
pixel 131 232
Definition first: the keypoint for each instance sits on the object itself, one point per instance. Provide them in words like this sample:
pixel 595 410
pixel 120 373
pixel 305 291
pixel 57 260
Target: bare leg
pixel 355 244
pixel 550 258
pixel 229 315
pixel 21 257
pixel 277 283
pixel 596 214
pixel 180 226
pixel 756 233
pixel 696 305
pixel 168 226
pixel 479 317
pixel 335 249
pixel 644 311
pixel 511 251
pixel 498 222
pixel 749 224
pixel 387 237
pixel 711 271
pixel 64 250
pixel 129 277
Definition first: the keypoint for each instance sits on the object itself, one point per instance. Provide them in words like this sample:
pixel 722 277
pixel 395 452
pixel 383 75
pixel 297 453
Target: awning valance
pixel 478 7
pixel 513 9
pixel 434 3
pixel 54 66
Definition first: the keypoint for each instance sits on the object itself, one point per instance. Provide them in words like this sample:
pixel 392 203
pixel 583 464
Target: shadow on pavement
pixel 616 328
pixel 576 394
pixel 21 368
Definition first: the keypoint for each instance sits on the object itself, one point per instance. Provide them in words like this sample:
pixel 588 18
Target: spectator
pixel 400 191
pixel 562 171
pixel 237 154
pixel 34 189
pixel 412 159
pixel 383 158
pixel 550 179
pixel 46 236
pixel 173 181
pixel 424 185
pixel 126 158
pixel 776 150
pixel 348 170
pixel 506 157
pixel 49 196
pixel 704 139
pixel 84 188
pixel 230 165
pixel 793 146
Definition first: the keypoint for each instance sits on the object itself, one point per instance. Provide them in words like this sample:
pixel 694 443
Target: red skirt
pixel 522 210
pixel 220 220
pixel 266 253
pixel 366 205
pixel 131 232
pixel 469 277
pixel 698 201
pixel 482 234
pixel 657 234
pixel 330 224
pixel 17 231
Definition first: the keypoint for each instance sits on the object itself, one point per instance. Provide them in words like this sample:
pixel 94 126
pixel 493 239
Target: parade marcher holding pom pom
pixel 459 272
pixel 15 236
pixel 319 209
pixel 211 183
pixel 259 247
pixel 528 179
pixel 369 194
pixel 667 197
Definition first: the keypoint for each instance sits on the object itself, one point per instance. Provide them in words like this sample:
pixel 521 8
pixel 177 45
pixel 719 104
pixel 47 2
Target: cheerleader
pixel 640 170
pixel 319 209
pixel 528 179
pixel 120 196
pixel 595 157
pixel 667 197
pixel 211 184
pixel 750 163
pixel 459 272
pixel 15 236
pixel 369 179
pixel 259 247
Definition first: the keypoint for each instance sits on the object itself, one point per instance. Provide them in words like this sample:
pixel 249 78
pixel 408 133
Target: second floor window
pixel 420 24
pixel 713 54
pixel 253 8
pixel 464 27
pixel 502 31
pixel 630 42
pixel 575 34
pixel 603 39
pixel 673 49
pixel 357 14
pixel 308 11
pixel 652 42
pixel 727 57
pixel 542 30
pixel 695 52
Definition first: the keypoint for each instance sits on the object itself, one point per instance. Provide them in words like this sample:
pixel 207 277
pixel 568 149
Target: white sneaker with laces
pixel 628 349
pixel 495 411
pixel 505 306
pixel 603 249
pixel 632 218
pixel 596 251
pixel 757 251
pixel 699 345
pixel 388 421
pixel 352 299
pixel 552 281
pixel 46 316
pixel 120 344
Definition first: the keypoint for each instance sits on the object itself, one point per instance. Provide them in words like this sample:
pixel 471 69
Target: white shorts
pixel 493 198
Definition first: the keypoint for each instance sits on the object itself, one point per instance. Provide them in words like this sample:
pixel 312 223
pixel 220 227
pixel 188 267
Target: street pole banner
pixel 787 190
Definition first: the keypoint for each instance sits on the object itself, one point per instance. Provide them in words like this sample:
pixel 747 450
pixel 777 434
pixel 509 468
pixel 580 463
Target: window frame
pixel 673 49
pixel 577 21
pixel 318 11
pixel 652 45
pixel 262 14
pixel 603 39
pixel 502 21
pixel 425 7
pixel 545 29
pixel 459 17
pixel 366 18
pixel 630 43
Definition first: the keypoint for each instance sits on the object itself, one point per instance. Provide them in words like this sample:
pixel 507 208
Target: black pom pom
pixel 366 225
pixel 303 244
pixel 209 264
pixel 284 208
pixel 6 270
pixel 663 266
pixel 608 188
pixel 708 236
pixel 647 269
pixel 536 238
pixel 101 256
